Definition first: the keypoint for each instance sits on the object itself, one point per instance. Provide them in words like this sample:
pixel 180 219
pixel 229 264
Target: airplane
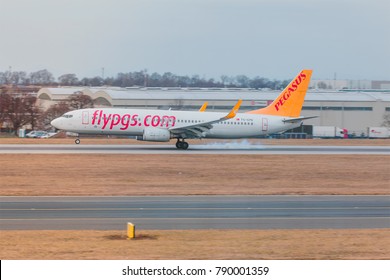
pixel 163 125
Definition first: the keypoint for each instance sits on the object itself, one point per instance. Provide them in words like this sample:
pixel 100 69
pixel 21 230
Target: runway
pixel 241 148
pixel 194 212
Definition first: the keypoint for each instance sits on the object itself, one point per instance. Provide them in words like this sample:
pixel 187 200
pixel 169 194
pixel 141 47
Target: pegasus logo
pixel 290 90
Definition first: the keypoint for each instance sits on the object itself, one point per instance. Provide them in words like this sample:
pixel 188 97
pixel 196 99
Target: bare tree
pixel 15 78
pixel 154 79
pixel 4 104
pixel 68 80
pixel 79 100
pixel 41 77
pixel 19 110
pixel 19 78
pixel 226 80
pixel 54 111
pixel 259 82
pixel 5 77
pixel 242 81
pixel 92 82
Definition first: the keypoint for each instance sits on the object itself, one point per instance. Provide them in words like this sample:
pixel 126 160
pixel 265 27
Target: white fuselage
pixel 133 122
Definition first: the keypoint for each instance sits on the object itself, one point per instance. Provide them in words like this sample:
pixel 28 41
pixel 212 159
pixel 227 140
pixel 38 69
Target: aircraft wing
pixel 199 130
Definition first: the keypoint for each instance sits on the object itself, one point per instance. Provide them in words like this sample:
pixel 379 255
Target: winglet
pixel 204 106
pixel 234 111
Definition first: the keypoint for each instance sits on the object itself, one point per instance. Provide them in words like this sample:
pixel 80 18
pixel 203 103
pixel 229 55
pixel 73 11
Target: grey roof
pixel 215 94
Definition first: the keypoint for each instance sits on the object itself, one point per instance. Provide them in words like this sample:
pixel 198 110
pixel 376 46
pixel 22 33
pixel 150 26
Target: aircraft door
pixel 85 117
pixel 264 124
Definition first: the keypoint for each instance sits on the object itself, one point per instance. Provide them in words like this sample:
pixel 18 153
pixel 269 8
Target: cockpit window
pixel 67 116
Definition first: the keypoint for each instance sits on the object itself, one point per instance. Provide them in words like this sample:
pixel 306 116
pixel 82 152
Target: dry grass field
pixel 118 175
pixel 197 244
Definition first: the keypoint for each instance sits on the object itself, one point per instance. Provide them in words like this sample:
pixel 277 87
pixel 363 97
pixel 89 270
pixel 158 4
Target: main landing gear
pixel 77 141
pixel 181 144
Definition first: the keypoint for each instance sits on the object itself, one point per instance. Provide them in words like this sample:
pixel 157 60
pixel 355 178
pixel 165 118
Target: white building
pixel 349 84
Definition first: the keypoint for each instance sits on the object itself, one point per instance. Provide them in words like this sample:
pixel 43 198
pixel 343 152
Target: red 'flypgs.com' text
pixel 125 121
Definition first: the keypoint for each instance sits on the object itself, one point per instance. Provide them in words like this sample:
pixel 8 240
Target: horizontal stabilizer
pixel 298 119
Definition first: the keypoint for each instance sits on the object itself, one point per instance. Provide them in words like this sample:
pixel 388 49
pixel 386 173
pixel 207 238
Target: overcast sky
pixel 267 38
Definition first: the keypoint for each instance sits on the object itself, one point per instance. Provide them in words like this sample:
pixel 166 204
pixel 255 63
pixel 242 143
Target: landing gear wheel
pixel 181 144
pixel 184 145
pixel 77 141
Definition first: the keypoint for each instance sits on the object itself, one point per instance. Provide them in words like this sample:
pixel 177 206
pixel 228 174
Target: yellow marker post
pixel 130 231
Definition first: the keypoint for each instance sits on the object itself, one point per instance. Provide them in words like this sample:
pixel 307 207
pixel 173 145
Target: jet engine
pixel 155 134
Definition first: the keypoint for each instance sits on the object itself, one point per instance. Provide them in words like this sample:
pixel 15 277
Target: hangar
pixel 354 110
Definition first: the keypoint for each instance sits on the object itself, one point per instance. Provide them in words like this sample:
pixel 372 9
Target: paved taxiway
pixel 195 212
pixel 212 148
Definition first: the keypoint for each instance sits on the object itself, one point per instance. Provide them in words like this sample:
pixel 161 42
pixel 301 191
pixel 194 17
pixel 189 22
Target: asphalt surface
pixel 195 212
pixel 242 147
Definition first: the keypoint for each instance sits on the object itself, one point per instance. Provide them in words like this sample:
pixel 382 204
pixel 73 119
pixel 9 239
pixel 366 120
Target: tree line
pixel 137 78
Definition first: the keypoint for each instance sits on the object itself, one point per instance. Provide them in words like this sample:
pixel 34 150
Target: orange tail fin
pixel 289 102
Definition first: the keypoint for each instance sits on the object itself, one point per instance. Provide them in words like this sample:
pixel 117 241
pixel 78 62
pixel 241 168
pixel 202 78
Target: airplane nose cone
pixel 55 123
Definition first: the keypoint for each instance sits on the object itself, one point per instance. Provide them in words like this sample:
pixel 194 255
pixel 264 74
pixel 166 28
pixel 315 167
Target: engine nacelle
pixel 155 134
